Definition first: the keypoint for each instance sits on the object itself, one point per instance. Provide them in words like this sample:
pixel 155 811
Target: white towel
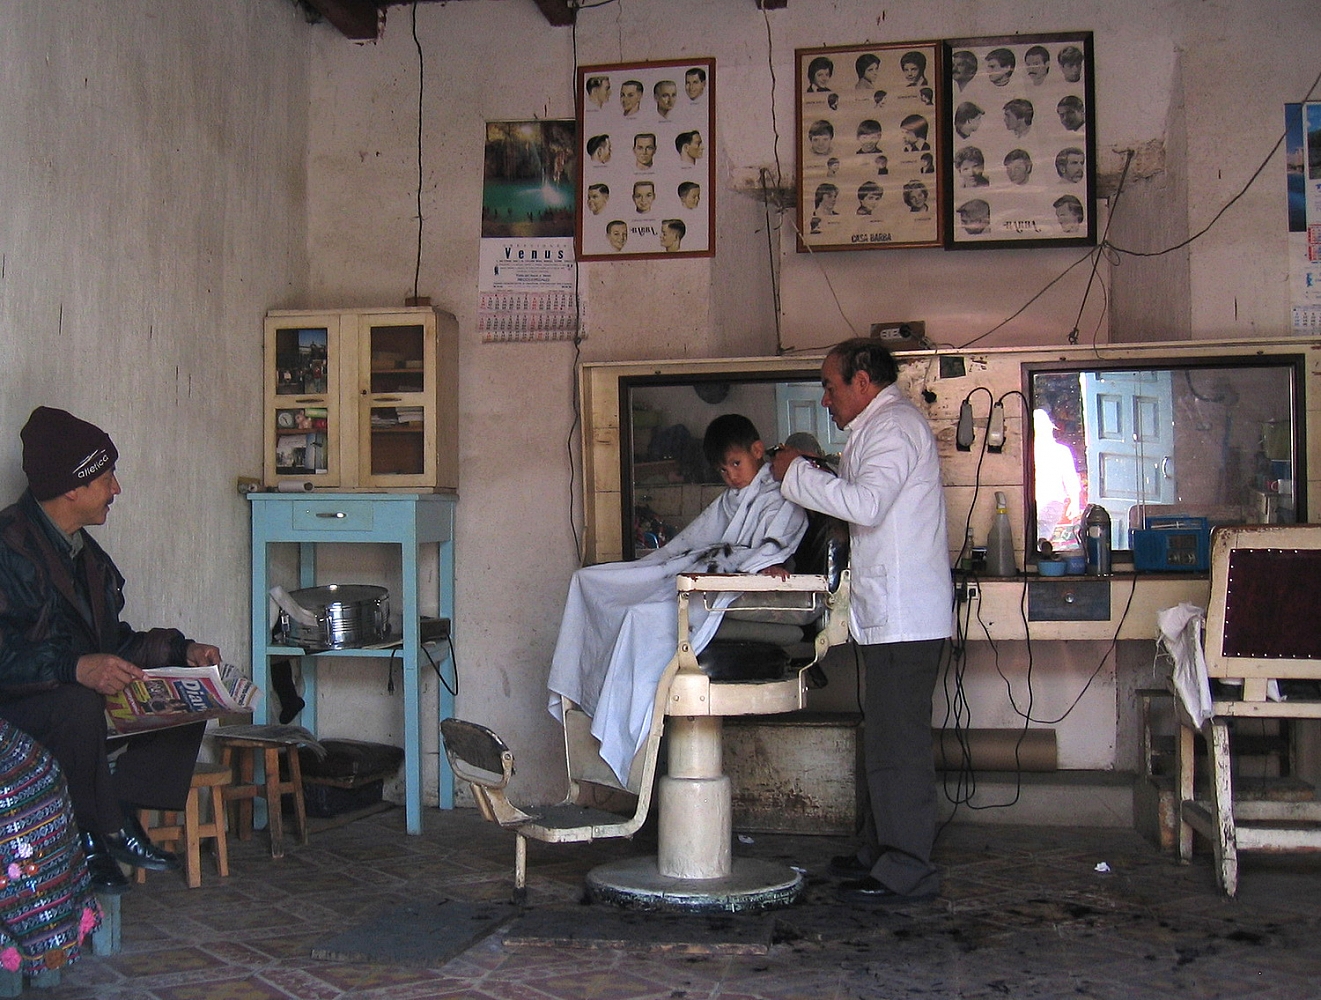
pixel 1181 635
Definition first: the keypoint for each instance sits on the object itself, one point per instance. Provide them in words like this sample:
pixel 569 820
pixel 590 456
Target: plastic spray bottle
pixel 1000 542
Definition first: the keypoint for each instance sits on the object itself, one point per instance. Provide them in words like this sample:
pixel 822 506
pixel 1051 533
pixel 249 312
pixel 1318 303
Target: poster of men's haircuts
pixel 1021 141
pixel 869 147
pixel 646 185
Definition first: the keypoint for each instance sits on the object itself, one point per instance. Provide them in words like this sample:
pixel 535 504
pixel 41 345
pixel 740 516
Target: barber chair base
pixel 753 886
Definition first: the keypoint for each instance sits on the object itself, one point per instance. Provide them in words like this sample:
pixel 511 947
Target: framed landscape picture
pixel 1020 137
pixel 646 180
pixel 869 146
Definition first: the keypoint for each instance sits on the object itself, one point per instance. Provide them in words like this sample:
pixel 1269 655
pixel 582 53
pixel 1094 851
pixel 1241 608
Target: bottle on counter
pixel 1000 542
pixel 1096 539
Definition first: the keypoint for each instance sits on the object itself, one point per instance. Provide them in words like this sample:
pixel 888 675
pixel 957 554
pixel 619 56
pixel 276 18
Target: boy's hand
pixel 778 571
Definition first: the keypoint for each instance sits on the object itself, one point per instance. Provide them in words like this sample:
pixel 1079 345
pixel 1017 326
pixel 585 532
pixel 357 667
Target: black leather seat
pixel 766 637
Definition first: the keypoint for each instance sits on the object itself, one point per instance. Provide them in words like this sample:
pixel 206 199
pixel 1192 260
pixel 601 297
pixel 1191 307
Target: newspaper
pixel 177 696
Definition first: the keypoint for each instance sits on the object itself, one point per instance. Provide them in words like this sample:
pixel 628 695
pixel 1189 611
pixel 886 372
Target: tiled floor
pixel 1023 913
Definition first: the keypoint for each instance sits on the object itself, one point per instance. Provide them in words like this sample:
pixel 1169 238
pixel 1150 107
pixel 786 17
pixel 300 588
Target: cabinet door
pixel 302 420
pixel 397 399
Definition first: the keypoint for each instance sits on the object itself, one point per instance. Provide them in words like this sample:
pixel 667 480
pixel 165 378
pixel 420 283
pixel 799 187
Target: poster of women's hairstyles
pixel 869 146
pixel 646 178
pixel 1020 133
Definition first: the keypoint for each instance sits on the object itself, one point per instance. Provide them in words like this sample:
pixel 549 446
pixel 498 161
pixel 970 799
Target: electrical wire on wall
pixel 421 88
pixel 1114 252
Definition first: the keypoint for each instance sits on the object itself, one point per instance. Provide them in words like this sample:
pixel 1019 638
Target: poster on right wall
pixel 1303 177
pixel 1020 142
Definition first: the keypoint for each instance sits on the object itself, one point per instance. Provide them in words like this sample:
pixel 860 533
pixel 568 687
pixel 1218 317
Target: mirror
pixel 1214 438
pixel 665 478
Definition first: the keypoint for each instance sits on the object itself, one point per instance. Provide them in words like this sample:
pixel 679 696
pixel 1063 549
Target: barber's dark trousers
pixel 154 772
pixel 900 825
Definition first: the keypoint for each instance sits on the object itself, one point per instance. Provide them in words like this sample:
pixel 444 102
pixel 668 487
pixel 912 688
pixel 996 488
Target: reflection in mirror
pixel 1215 438
pixel 666 481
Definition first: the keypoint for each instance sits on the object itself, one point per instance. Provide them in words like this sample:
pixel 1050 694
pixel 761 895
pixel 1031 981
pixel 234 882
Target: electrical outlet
pixel 966 590
pixel 909 335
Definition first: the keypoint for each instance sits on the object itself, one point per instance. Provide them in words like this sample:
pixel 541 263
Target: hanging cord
pixel 1224 208
pixel 417 264
pixel 1099 251
pixel 773 227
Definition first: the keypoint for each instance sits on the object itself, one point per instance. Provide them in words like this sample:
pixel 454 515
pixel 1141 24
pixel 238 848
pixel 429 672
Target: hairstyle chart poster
pixel 868 147
pixel 1021 141
pixel 646 187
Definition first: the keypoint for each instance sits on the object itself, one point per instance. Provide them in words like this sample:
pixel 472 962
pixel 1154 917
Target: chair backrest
pixel 1264 585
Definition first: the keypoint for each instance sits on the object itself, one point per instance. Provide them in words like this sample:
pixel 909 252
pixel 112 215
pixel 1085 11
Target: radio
pixel 1172 544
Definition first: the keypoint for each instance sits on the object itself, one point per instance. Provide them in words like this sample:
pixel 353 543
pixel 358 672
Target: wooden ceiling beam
pixel 560 13
pixel 358 20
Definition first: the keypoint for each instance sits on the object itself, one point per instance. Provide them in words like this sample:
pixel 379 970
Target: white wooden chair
pixel 1260 627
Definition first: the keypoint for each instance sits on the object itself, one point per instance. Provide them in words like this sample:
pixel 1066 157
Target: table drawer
pixel 333 515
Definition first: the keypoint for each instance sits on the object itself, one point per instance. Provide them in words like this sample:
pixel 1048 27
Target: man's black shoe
pixel 132 846
pixel 868 892
pixel 107 877
pixel 848 866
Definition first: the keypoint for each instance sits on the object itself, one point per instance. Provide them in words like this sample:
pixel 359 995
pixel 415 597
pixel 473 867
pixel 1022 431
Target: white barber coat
pixel 621 619
pixel 889 491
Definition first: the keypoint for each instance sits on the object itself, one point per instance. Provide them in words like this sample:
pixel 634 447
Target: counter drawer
pixel 333 515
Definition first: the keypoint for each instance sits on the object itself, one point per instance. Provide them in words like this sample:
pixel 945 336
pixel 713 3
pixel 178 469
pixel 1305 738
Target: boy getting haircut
pixel 732 430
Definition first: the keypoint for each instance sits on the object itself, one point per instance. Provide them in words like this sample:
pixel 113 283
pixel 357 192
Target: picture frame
pixel 1020 140
pixel 646 183
pixel 869 146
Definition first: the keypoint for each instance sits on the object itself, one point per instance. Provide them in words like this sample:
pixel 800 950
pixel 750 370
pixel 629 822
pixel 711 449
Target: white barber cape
pixel 621 620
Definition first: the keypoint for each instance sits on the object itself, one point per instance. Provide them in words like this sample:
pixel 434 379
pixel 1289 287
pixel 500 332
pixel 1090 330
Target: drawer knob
pixel 327 513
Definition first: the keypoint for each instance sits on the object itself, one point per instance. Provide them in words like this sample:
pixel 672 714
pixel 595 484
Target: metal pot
pixel 348 616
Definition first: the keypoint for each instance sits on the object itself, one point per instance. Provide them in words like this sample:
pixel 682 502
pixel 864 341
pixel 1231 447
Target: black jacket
pixel 53 611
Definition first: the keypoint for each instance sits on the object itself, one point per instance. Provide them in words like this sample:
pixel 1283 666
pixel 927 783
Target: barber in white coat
pixel 889 491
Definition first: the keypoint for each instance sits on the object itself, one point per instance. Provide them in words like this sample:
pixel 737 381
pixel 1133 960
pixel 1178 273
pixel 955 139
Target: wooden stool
pixel 193 831
pixel 242 751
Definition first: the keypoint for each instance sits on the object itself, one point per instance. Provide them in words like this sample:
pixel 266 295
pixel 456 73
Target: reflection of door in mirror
pixel 1216 439
pixel 798 410
pixel 1129 424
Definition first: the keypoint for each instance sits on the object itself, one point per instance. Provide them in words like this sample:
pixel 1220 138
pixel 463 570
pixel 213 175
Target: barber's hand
pixel 201 655
pixel 780 463
pixel 106 673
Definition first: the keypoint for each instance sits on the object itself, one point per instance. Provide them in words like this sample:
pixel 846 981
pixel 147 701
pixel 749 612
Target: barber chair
pixel 1260 629
pixel 774 633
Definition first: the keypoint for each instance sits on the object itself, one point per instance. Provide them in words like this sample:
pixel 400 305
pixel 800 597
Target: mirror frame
pixel 810 373
pixel 1294 363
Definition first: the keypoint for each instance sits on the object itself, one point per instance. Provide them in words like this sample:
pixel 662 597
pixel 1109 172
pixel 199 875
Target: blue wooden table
pixel 408 520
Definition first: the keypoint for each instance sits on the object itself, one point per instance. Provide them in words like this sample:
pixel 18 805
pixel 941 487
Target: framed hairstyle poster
pixel 1020 137
pixel 646 182
pixel 869 145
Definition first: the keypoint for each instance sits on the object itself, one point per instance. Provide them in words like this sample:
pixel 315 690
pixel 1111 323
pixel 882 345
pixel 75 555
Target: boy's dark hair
pixel 730 430
pixel 864 355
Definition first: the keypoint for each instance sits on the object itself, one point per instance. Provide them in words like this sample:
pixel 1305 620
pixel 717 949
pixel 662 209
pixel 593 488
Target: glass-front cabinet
pixel 361 399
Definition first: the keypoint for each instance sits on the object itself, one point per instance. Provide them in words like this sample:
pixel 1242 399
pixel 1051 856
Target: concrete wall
pixel 1185 83
pixel 152 179
pixel 170 170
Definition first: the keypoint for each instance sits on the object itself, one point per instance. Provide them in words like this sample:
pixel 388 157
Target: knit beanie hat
pixel 61 452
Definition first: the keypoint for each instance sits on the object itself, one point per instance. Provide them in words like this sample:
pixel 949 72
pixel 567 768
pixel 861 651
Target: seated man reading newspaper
pixel 63 648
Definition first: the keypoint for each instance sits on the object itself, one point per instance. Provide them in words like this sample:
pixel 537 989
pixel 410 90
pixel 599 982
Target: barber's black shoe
pixel 107 876
pixel 132 846
pixel 848 866
pixel 868 892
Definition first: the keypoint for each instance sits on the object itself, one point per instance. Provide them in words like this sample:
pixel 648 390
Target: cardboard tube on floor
pixel 995 749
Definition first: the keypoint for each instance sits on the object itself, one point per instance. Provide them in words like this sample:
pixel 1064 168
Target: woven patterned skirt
pixel 47 909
